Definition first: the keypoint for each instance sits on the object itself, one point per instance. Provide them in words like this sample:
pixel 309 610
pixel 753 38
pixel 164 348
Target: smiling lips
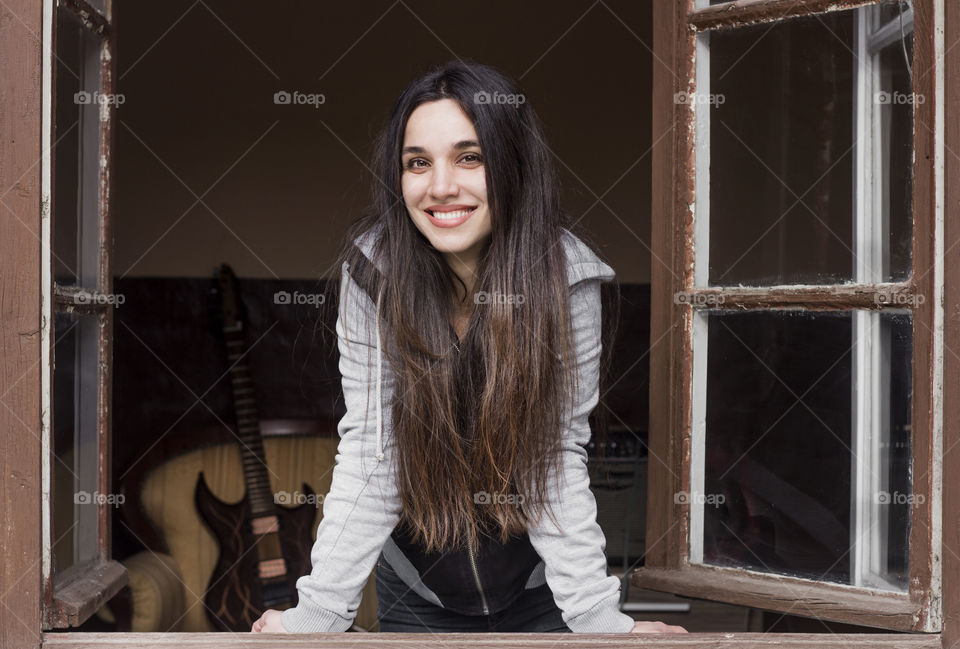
pixel 449 216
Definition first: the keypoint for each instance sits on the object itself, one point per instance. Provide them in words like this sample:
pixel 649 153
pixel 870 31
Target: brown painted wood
pixel 951 358
pixel 922 533
pixel 492 640
pixel 82 589
pixel 21 23
pixel 818 600
pixel 750 12
pixel 668 236
pixel 879 296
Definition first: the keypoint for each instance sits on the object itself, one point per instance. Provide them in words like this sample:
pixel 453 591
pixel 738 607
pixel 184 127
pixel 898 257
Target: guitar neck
pixel 255 475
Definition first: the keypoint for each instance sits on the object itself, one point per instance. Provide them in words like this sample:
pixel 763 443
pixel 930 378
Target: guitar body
pixel 236 596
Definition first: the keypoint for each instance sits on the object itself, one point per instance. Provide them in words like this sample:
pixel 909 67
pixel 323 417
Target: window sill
pixel 444 640
pixel 81 590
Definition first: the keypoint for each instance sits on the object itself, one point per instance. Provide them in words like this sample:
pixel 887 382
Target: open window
pixel 793 422
pixel 804 180
pixel 78 572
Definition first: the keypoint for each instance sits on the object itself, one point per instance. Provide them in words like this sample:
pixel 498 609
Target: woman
pixel 473 316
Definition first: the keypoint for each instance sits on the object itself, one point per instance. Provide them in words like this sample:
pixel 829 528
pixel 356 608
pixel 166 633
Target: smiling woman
pixel 444 185
pixel 472 316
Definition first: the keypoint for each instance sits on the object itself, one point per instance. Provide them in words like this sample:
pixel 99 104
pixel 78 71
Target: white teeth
pixel 447 216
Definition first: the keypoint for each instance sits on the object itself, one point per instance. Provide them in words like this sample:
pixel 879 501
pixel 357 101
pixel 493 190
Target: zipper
pixel 473 560
pixel 476 576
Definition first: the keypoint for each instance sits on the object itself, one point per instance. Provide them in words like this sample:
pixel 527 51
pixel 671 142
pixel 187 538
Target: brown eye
pixel 472 158
pixel 415 163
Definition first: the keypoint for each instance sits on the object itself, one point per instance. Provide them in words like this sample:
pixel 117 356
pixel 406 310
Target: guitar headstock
pixel 228 307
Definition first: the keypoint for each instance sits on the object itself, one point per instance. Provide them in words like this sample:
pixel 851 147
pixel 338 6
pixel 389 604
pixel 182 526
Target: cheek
pixel 411 189
pixel 479 187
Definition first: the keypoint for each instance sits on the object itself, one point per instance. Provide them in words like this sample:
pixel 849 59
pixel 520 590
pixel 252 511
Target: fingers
pixel 656 627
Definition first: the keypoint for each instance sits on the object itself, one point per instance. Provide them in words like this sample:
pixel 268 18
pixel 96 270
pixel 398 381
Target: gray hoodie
pixel 363 506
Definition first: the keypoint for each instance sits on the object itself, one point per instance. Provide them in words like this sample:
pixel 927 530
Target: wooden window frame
pixel 675 175
pixel 21 600
pixel 73 595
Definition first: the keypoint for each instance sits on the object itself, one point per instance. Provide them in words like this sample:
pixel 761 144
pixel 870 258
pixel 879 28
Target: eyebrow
pixel 462 144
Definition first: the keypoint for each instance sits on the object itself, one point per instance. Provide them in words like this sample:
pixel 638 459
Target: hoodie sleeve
pixel 362 506
pixel 576 566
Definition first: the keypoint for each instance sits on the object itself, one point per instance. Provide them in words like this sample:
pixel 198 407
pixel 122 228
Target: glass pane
pixel 76 153
pixel 895 105
pixel 781 152
pixel 75 436
pixel 63 468
pixel 784 471
pixel 887 10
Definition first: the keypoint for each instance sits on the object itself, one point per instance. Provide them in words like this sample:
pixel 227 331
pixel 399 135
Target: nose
pixel 443 183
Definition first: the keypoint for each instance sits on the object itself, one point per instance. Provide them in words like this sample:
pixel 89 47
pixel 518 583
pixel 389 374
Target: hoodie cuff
pixel 306 617
pixel 605 617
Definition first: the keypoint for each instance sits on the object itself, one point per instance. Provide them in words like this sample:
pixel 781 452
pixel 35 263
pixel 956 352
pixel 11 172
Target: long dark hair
pixel 486 419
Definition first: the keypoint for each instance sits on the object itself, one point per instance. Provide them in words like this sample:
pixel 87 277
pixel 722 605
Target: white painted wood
pixel 701 212
pixel 698 431
pixel 935 615
pixel 46 293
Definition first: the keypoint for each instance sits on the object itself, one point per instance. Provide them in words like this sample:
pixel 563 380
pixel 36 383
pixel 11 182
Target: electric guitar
pixel 264 547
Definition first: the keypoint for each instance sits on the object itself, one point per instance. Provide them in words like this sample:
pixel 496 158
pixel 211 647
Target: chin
pixel 454 243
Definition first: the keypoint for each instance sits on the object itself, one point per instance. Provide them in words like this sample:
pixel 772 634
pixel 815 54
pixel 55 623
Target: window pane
pixel 895 103
pixel 76 137
pixel 890 9
pixel 785 474
pixel 75 447
pixel 781 202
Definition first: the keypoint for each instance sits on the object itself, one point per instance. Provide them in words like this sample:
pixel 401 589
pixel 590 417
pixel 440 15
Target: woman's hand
pixel 269 622
pixel 655 627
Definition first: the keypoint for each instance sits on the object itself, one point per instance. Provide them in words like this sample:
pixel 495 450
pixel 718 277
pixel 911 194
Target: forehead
pixel 438 124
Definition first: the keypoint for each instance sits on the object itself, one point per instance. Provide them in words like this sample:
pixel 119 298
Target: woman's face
pixel 443 181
